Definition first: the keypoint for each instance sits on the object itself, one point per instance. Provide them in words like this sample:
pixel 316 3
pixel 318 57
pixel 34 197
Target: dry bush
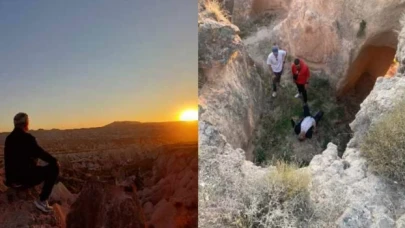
pixel 213 9
pixel 384 145
pixel 292 181
pixel 278 199
pixel 286 202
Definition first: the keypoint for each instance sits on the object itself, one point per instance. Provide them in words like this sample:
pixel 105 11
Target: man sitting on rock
pixel 307 125
pixel 21 153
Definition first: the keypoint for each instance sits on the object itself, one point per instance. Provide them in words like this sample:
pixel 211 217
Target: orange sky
pixel 67 67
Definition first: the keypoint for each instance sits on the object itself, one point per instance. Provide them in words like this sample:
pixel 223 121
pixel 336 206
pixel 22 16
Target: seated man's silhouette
pixel 21 154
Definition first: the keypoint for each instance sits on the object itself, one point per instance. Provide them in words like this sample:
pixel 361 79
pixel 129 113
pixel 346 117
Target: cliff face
pixel 331 35
pixel 346 186
pixel 231 95
pixel 231 92
pixel 364 198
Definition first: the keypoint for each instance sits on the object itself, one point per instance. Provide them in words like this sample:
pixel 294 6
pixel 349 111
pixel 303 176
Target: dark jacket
pixel 21 154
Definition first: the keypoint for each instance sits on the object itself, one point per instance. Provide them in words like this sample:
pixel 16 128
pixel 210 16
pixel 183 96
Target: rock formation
pixel 231 92
pixel 343 192
pixel 365 199
pixel 169 195
pixel 334 36
pixel 17 208
pixel 101 205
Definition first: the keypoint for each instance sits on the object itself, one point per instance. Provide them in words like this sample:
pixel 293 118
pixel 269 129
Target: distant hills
pixel 121 124
pixel 134 123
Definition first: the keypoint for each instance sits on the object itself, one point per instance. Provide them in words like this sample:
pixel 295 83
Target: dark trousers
pixel 317 116
pixel 276 80
pixel 302 91
pixel 47 174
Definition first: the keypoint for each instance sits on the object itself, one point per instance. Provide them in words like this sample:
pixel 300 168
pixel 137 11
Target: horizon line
pixel 106 125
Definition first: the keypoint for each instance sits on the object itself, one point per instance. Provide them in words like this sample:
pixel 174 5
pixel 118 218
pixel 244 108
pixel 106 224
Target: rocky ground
pixel 148 172
pixel 359 197
pixel 341 191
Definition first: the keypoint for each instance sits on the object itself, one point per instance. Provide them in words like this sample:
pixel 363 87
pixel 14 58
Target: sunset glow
pixel 91 79
pixel 189 115
pixel 392 70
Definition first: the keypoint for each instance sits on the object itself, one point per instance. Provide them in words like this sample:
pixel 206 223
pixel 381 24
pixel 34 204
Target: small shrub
pixel 289 179
pixel 281 201
pixel 290 58
pixel 362 29
pixel 384 145
pixel 260 155
pixel 319 82
pixel 214 9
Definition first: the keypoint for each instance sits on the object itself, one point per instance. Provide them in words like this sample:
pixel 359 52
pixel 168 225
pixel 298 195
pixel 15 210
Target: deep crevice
pixel 371 63
pixel 269 142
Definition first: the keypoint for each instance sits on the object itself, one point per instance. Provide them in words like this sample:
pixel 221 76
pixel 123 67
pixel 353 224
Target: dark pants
pixel 317 116
pixel 302 91
pixel 47 174
pixel 276 80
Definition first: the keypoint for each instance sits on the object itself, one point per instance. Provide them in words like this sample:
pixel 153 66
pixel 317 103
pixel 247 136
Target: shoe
pixel 274 94
pixel 297 95
pixel 43 206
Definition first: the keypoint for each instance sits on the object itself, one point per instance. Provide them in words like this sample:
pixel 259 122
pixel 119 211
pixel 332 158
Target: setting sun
pixel 189 115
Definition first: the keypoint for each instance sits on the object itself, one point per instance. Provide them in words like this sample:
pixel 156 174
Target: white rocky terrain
pixel 346 185
pixel 341 191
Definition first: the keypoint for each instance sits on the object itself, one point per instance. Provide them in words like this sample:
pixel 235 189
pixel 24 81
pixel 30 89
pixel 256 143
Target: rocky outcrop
pixel 231 96
pixel 231 92
pixel 17 208
pixel 386 93
pixel 345 187
pixel 400 55
pixel 329 35
pixel 343 191
pixel 102 205
pixel 169 195
pixel 225 178
pixel 356 197
pixel 244 11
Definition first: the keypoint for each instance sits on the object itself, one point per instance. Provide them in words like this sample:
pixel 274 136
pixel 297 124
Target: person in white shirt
pixel 308 125
pixel 275 61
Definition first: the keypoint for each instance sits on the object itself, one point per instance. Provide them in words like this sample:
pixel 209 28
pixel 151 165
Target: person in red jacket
pixel 301 75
